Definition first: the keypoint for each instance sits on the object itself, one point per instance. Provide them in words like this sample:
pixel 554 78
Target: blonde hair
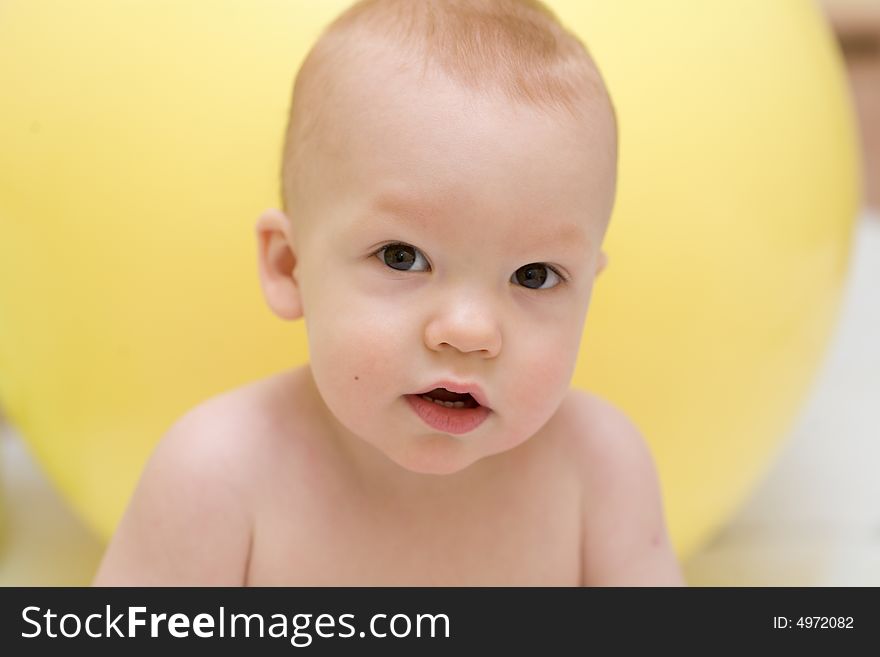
pixel 516 48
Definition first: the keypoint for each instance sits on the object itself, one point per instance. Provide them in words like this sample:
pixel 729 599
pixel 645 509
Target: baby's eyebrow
pixel 567 237
pixel 398 206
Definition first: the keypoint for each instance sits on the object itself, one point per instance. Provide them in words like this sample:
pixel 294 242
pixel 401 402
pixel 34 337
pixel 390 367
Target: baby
pixel 449 173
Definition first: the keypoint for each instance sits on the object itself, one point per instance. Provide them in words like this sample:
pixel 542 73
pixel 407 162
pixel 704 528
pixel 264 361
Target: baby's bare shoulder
pixel 625 536
pixel 604 438
pixel 614 458
pixel 257 411
pixel 190 519
pixel 252 423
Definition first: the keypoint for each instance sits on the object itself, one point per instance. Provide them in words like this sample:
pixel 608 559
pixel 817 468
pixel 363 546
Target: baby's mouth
pixel 460 412
pixel 443 397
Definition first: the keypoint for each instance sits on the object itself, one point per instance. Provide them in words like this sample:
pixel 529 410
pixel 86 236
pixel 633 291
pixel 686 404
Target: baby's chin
pixel 443 455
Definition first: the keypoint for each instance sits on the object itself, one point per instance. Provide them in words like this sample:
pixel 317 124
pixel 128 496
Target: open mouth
pixel 443 397
pixel 455 413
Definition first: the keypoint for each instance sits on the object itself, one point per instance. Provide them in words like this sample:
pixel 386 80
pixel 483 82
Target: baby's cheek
pixel 364 351
pixel 541 377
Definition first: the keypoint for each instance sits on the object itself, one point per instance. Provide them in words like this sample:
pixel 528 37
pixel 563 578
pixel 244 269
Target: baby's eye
pixel 535 276
pixel 403 257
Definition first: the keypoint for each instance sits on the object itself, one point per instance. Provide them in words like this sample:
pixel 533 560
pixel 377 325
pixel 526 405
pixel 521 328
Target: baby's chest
pixel 528 541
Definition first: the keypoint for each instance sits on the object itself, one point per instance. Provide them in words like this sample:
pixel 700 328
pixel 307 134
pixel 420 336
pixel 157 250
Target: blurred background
pixel 813 521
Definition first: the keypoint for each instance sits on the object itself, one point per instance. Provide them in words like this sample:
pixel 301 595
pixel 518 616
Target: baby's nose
pixel 466 327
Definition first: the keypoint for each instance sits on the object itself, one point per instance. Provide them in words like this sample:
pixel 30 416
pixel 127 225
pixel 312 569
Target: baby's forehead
pixel 448 154
pixel 388 73
pixel 342 86
pixel 389 103
pixel 516 52
pixel 374 119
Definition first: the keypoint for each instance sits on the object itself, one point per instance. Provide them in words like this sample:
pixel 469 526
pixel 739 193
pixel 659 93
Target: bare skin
pixel 261 505
pixel 324 474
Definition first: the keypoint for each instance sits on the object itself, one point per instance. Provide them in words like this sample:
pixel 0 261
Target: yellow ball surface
pixel 140 141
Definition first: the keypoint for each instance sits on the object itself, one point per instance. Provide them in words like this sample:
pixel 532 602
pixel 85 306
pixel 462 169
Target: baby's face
pixel 455 241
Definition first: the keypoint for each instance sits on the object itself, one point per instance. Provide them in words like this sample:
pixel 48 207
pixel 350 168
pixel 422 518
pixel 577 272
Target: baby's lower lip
pixel 448 420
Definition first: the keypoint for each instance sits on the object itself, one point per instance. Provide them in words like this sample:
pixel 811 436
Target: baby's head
pixel 449 173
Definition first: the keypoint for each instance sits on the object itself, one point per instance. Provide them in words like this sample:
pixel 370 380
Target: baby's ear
pixel 276 260
pixel 601 262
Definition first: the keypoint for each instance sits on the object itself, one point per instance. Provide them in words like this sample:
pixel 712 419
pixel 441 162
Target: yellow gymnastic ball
pixel 730 240
pixel 141 141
